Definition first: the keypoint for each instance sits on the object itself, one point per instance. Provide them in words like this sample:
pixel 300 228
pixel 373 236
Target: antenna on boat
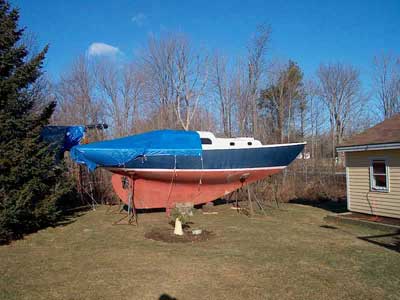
pixel 100 126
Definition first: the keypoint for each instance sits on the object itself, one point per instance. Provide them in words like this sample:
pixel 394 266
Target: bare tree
pixel 340 89
pixel 76 96
pixel 315 116
pixel 204 120
pixel 175 76
pixel 387 84
pixel 108 79
pixel 189 74
pixel 223 86
pixel 157 60
pixel 241 99
pixel 121 88
pixel 256 49
pixel 132 91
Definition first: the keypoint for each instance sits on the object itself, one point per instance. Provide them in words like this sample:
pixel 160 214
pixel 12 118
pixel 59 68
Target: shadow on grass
pixel 118 208
pixel 146 210
pixel 166 297
pixel 328 227
pixel 326 204
pixel 69 216
pixel 223 201
pixel 389 241
pixel 66 217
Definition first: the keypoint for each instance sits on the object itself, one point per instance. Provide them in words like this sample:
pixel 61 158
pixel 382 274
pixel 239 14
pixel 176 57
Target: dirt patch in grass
pixel 167 235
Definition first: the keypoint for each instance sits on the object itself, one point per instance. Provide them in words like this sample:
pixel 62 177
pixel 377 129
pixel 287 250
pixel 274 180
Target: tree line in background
pixel 173 84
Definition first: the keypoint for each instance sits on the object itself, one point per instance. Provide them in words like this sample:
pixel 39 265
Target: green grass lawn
pixel 284 255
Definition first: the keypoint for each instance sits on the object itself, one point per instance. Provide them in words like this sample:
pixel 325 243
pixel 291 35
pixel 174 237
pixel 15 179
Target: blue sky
pixel 308 32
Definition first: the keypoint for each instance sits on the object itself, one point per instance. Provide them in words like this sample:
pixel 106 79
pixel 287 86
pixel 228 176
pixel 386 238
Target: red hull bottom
pixel 164 188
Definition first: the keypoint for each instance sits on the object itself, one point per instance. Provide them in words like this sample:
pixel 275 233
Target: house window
pixel 206 141
pixel 379 175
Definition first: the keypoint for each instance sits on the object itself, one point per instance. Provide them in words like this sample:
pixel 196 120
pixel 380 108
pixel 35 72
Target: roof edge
pixel 368 147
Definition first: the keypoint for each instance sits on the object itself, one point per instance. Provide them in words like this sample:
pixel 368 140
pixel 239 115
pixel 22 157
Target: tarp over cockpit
pixel 117 152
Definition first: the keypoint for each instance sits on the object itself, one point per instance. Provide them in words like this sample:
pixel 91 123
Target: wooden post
pixel 258 203
pixel 250 202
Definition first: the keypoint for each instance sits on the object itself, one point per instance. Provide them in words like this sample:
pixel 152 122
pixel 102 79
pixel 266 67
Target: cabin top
pixel 209 141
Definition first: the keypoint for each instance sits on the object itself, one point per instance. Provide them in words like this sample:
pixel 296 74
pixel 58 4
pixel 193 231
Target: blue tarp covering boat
pixel 117 152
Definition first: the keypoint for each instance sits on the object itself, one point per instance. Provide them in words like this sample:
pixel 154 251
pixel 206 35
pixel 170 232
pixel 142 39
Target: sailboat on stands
pixel 166 167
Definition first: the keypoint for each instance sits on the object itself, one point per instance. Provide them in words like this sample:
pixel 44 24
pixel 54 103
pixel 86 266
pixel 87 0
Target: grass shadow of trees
pixel 326 204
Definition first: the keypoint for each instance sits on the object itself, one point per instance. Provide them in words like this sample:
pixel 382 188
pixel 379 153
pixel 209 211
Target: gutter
pixel 369 147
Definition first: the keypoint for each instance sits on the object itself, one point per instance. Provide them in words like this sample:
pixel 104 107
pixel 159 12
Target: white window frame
pixel 372 185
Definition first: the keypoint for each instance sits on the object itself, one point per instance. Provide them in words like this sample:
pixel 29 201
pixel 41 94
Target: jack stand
pixel 257 201
pixel 131 216
pixel 250 194
pixel 250 202
pixel 243 181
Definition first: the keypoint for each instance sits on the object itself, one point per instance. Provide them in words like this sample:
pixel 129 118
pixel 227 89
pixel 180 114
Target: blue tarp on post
pixel 63 137
pixel 117 152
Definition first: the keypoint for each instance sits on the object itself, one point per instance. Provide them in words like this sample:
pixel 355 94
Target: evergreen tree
pixel 31 183
pixel 282 97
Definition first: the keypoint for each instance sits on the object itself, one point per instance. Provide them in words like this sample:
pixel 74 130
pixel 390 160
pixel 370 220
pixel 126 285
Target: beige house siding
pixel 360 197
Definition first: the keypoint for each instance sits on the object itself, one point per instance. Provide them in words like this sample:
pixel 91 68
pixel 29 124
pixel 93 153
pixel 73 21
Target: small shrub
pixel 177 214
